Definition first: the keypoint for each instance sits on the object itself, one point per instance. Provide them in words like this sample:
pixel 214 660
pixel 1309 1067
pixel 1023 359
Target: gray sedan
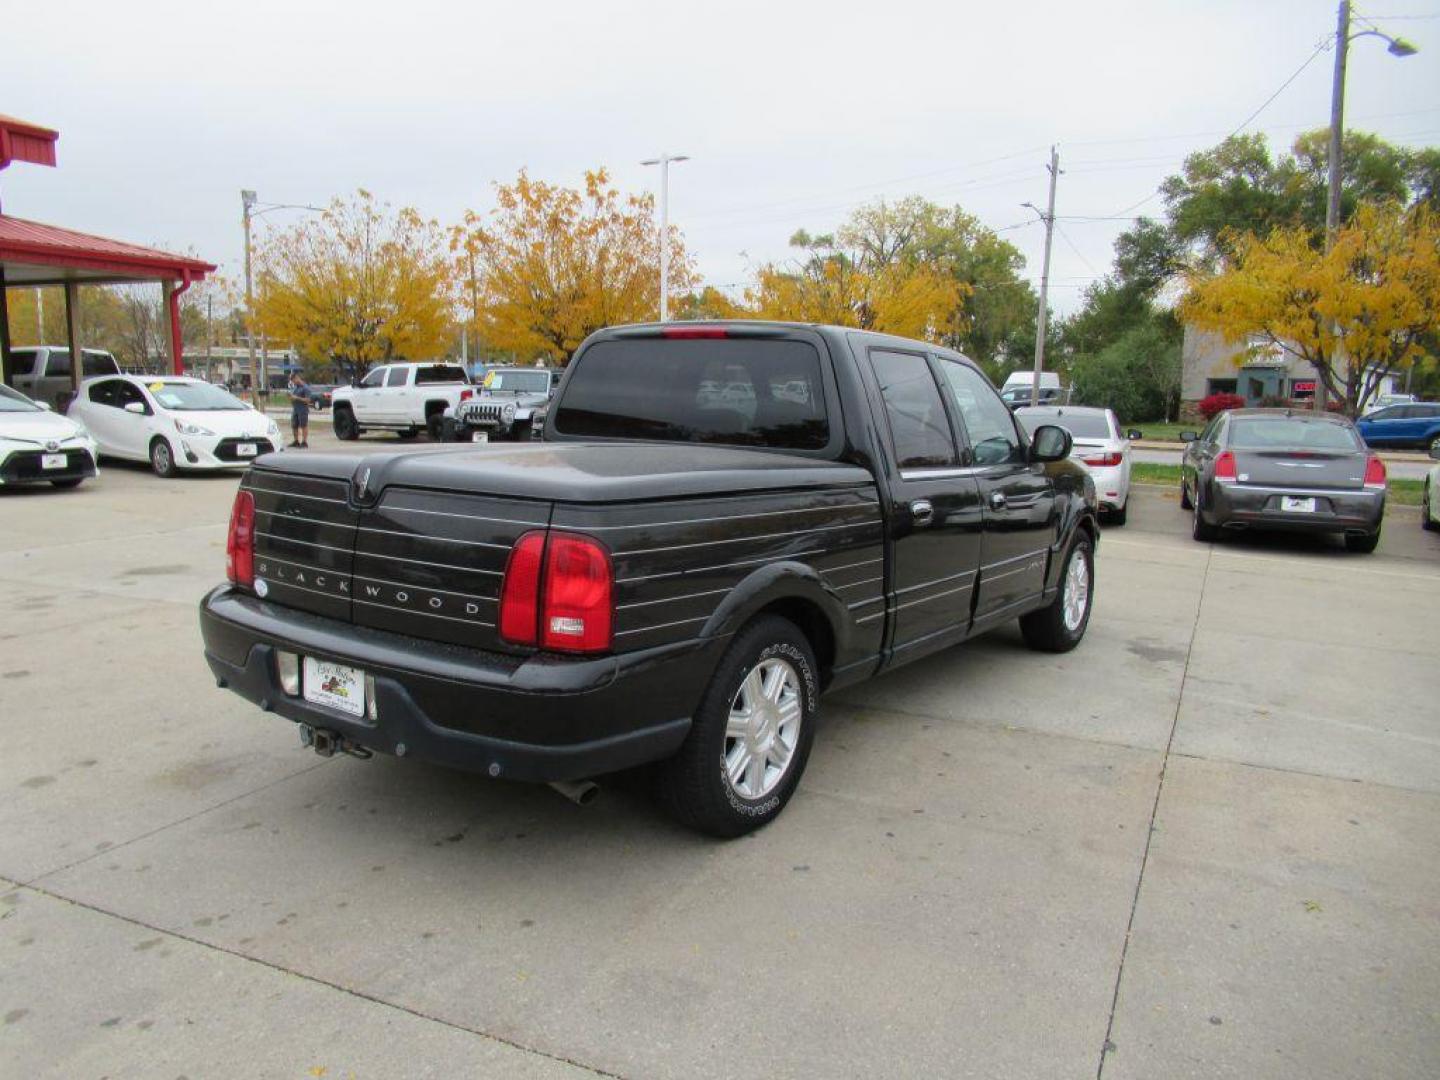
pixel 1279 469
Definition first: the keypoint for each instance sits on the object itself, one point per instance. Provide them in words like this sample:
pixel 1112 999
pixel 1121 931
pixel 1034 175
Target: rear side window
pixel 732 391
pixel 396 377
pixel 1289 433
pixel 103 393
pixel 919 429
pixel 59 362
pixel 22 362
pixel 439 373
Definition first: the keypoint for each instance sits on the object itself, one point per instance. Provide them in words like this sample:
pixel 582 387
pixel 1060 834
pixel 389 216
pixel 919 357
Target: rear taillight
pixel 694 332
pixel 1104 461
pixel 1375 473
pixel 557 594
pixel 240 541
pixel 520 591
pixel 1225 466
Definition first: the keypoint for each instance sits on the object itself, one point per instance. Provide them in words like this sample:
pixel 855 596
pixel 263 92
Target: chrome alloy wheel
pixel 763 729
pixel 1077 592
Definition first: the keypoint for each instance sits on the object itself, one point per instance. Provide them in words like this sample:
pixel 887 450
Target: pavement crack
pixel 177 822
pixel 1106 1047
pixel 316 980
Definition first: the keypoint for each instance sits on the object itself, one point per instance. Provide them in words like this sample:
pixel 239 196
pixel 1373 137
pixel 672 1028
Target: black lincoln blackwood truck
pixel 720 522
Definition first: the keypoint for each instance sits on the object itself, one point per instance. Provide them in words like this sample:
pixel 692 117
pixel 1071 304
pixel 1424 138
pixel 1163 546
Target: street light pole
pixel 247 205
pixel 1343 37
pixel 664 161
pixel 1042 316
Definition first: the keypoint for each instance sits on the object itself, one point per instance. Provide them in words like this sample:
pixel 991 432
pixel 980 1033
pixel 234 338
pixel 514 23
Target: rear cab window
pixel 740 391
pixel 439 373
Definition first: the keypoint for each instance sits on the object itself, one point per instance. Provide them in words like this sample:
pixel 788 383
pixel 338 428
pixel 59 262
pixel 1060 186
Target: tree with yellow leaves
pixel 552 264
pixel 1355 313
pixel 855 285
pixel 359 285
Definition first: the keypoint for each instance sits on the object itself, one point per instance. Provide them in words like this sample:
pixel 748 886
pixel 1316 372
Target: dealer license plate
pixel 246 449
pixel 335 686
pixel 53 461
pixel 1297 506
pixel 480 437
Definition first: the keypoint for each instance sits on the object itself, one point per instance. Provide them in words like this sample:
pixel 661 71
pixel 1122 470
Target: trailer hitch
pixel 328 743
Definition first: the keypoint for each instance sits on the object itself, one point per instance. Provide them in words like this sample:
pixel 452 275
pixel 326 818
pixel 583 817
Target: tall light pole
pixel 248 204
pixel 1343 37
pixel 664 161
pixel 1048 217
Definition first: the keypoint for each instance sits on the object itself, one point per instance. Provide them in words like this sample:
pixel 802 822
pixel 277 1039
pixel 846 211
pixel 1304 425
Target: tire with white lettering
pixel 1059 626
pixel 750 738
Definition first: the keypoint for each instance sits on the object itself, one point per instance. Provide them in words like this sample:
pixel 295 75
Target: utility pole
pixel 39 316
pixel 247 205
pixel 210 339
pixel 1332 202
pixel 1049 219
pixel 664 161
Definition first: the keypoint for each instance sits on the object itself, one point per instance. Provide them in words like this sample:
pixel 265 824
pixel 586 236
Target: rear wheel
pixel 1200 529
pixel 343 421
pixel 1362 543
pixel 162 458
pixel 751 736
pixel 1059 626
pixel 435 425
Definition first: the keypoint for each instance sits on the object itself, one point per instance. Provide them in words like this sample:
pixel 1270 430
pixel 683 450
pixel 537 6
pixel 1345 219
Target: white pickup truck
pixel 42 372
pixel 403 398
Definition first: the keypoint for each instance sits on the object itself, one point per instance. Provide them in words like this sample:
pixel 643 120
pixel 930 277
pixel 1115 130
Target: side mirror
pixel 1050 443
pixel 1189 436
pixel 136 407
pixel 1134 433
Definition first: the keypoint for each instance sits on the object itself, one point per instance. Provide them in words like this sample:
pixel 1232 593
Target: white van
pixel 1016 391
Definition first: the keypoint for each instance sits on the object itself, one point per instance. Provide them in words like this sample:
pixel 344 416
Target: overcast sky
pixel 792 114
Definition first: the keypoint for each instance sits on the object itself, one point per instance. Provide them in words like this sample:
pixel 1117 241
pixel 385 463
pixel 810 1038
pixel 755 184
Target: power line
pixel 1321 47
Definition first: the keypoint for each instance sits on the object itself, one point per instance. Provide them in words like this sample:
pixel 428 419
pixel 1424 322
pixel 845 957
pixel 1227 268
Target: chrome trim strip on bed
pixel 850 566
pixel 463 517
pixel 304 543
pixel 732 517
pixel 670 599
pixel 427 562
pixel 857 584
pixel 421 587
pixel 431 536
pixel 310 521
pixel 936 581
pixel 750 539
pixel 865 603
pixel 295 495
pixel 272 582
pixel 722 566
pixel 663 625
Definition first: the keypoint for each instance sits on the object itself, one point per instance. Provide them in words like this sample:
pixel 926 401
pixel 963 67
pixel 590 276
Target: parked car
pixel 1382 401
pixel 37 446
pixel 42 372
pixel 658 579
pixel 1398 426
pixel 404 398
pixel 1100 446
pixel 1281 469
pixel 1018 396
pixel 1430 496
pixel 321 394
pixel 174 422
pixel 504 405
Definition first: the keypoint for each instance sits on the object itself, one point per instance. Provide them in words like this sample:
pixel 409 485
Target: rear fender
pixel 776 583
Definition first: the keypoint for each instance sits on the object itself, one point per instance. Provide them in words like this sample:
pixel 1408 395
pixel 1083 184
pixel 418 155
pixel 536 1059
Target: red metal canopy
pixel 36 254
pixel 21 140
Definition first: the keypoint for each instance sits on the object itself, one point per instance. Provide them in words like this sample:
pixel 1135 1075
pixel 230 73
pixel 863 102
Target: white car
pixel 1430 496
pixel 1100 446
pixel 173 422
pixel 37 446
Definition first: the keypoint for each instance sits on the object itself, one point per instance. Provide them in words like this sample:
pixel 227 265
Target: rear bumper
pixel 1243 506
pixel 522 718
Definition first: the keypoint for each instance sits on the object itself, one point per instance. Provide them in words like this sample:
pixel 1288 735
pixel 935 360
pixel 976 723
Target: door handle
pixel 922 512
pixel 997 500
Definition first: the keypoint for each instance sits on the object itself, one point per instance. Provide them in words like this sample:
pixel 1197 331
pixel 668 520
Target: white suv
pixel 403 398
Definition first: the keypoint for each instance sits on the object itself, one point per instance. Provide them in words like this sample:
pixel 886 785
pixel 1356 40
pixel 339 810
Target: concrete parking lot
pixel 1207 843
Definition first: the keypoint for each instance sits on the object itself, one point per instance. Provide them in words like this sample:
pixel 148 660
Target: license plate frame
pixel 247 449
pixel 334 686
pixel 1296 504
pixel 53 461
pixel 480 437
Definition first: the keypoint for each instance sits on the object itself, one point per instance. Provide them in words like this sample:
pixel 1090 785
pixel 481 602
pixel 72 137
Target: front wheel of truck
pixel 751 736
pixel 1059 626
